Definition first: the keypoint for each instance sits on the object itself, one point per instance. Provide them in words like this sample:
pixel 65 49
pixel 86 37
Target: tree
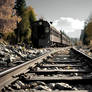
pixel 20 6
pixel 23 31
pixel 32 16
pixel 86 34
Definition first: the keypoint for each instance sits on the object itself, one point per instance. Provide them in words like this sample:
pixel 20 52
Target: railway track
pixel 6 77
pixel 56 71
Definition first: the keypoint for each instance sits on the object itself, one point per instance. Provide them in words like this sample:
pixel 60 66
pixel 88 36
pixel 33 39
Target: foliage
pixel 32 15
pixel 86 34
pixel 22 34
pixel 23 31
pixel 10 37
pixel 20 6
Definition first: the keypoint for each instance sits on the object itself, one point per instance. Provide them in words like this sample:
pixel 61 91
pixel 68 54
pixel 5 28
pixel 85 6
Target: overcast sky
pixel 68 15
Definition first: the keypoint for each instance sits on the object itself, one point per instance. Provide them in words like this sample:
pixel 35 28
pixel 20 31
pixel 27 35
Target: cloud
pixel 69 25
pixel 74 34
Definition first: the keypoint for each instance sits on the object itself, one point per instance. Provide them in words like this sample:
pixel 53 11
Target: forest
pixel 16 24
pixel 86 33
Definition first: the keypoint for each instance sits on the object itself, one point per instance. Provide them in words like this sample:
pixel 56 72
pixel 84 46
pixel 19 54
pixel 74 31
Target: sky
pixel 66 15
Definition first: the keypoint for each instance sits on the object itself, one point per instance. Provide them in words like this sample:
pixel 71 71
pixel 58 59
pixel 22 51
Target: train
pixel 45 35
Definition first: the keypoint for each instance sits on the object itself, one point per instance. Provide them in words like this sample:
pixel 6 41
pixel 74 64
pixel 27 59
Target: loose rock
pixel 62 86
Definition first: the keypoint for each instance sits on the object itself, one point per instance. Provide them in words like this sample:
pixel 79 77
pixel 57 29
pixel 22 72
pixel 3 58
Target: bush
pixel 10 37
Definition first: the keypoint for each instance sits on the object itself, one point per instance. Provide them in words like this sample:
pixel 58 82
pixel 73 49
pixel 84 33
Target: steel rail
pixel 6 77
pixel 89 59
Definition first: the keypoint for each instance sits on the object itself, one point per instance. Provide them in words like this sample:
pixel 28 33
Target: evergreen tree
pixel 20 6
pixel 32 16
pixel 22 34
pixel 23 31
